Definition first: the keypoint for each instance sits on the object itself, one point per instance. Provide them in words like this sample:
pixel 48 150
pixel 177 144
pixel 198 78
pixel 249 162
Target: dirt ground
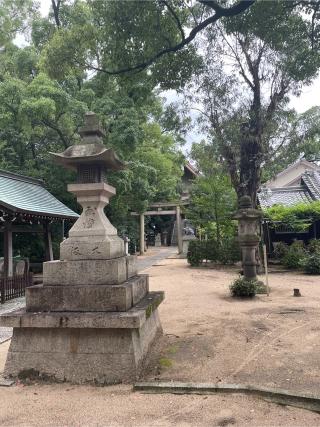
pixel 208 337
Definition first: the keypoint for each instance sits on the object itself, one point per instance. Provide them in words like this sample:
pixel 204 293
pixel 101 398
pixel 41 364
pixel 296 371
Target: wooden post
pixel 48 243
pixel 265 259
pixel 179 231
pixel 141 234
pixel 8 256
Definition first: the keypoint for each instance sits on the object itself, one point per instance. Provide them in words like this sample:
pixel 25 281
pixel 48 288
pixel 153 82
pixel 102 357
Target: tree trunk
pixel 250 166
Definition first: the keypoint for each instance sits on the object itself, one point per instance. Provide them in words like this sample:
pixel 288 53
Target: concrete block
pixel 85 272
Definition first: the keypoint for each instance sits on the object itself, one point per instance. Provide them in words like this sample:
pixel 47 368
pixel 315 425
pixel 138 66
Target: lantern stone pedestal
pixel 93 319
pixel 249 238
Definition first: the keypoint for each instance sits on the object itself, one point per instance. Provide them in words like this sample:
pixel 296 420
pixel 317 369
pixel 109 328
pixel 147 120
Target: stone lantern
pixel 92 236
pixel 248 236
pixel 93 319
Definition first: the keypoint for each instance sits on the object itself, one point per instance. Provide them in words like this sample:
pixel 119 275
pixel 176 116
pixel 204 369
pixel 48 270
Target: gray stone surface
pixel 105 247
pixel 85 272
pixel 133 318
pixel 162 253
pixel 98 356
pixel 87 298
pixel 132 267
pixel 9 306
pixel 185 243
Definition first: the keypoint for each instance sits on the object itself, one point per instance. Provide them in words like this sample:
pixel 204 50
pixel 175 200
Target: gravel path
pixel 155 255
pixel 208 337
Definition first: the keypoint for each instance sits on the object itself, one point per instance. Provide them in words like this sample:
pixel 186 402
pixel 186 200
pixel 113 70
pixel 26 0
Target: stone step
pixel 87 298
pixel 132 319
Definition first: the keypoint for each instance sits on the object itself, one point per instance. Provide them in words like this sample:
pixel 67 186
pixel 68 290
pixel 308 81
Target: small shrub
pixel 211 250
pixel 243 288
pixel 294 256
pixel 195 253
pixel 311 264
pixel 280 250
pixel 314 246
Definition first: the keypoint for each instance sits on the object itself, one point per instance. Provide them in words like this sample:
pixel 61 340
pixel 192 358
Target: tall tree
pixel 243 93
pixel 212 200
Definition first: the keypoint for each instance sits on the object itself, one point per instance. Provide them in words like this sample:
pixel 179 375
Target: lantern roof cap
pixel 91 149
pixel 94 153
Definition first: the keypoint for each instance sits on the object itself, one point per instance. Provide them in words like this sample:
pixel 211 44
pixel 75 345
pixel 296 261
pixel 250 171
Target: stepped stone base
pixel 87 298
pixel 97 348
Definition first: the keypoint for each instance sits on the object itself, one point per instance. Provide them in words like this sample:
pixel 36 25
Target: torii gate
pixel 158 209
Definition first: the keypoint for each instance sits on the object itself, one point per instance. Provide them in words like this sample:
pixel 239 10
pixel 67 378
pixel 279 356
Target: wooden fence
pixel 14 287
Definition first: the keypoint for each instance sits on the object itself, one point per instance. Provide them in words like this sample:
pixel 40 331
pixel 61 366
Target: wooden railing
pixel 14 287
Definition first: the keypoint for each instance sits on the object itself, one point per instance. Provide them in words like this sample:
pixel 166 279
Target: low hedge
pixel 300 256
pixel 226 251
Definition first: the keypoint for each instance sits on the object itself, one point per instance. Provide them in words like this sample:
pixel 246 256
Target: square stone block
pixel 85 272
pixel 92 247
pixel 87 298
pixel 94 356
pixel 131 319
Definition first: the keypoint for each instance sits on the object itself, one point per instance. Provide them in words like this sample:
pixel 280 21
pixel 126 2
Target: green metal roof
pixel 27 195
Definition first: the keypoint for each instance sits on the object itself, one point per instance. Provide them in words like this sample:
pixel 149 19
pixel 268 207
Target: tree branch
pixel 275 99
pixel 220 13
pixel 56 10
pixel 59 132
pixel 175 17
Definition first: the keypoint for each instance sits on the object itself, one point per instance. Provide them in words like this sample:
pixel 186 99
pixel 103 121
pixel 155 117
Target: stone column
pixel 248 236
pixel 179 231
pixel 142 234
pixel 8 252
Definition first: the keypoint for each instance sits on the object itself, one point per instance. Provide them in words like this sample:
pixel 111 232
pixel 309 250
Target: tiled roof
pixel 22 194
pixel 287 196
pixel 312 180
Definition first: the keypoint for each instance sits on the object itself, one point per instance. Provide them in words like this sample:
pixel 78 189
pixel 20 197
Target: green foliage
pixel 225 252
pixel 14 17
pixel 298 217
pixel 195 254
pixel 311 264
pixel 298 256
pixel 280 250
pixel 212 200
pixel 243 288
pixel 314 246
pixel 294 256
pixel 45 91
